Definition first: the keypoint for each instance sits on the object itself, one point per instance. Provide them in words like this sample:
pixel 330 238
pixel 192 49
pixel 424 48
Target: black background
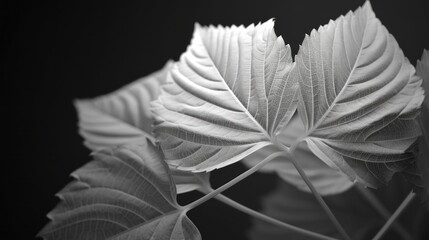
pixel 55 52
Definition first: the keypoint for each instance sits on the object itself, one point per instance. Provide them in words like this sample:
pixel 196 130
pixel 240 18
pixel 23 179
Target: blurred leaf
pixel 123 117
pixel 124 193
pixel 359 98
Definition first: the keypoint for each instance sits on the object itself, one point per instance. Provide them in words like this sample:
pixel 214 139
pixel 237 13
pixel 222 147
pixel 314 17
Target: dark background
pixel 55 52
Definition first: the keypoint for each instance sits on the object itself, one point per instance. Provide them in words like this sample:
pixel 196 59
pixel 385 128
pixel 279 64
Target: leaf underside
pixel 359 98
pixel 188 181
pixel 233 91
pixel 125 193
pixel 230 92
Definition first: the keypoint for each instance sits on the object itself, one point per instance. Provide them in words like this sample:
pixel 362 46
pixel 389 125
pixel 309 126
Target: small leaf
pixel 359 98
pixel 125 193
pixel 230 93
pixel 325 179
pixel 188 181
pixel 123 116
pixel 422 69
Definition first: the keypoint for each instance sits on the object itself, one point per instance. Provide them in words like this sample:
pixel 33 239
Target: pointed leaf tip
pixel 367 5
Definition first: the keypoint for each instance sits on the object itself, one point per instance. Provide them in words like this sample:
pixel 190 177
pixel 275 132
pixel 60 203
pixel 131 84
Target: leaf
pixel 123 117
pixel 189 181
pixel 230 94
pixel 422 68
pixel 325 179
pixel 125 193
pixel 359 98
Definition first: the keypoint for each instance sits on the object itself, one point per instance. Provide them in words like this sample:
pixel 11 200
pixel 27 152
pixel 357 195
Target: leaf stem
pixel 382 210
pixel 233 181
pixel 314 191
pixel 269 219
pixel 395 215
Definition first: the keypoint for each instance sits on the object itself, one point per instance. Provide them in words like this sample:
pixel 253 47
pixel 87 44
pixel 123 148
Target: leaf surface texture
pixel 325 179
pixel 124 193
pixel 359 98
pixel 230 93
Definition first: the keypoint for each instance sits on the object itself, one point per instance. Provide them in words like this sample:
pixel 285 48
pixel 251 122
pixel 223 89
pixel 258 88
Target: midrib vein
pixel 245 110
pixel 345 85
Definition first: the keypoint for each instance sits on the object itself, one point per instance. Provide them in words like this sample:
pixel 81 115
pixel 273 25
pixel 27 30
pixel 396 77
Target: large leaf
pixel 125 193
pixel 123 117
pixel 325 179
pixel 359 98
pixel 230 93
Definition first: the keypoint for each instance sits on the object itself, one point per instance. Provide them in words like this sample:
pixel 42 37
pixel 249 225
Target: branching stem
pixel 395 215
pixel 269 219
pixel 382 210
pixel 233 181
pixel 314 191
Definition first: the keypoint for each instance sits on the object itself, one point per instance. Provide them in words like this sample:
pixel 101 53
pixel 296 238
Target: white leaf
pixel 359 98
pixel 230 93
pixel 124 117
pixel 125 193
pixel 325 179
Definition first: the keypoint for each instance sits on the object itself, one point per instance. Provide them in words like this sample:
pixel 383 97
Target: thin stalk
pixel 271 220
pixel 379 207
pixel 232 182
pixel 395 215
pixel 318 197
